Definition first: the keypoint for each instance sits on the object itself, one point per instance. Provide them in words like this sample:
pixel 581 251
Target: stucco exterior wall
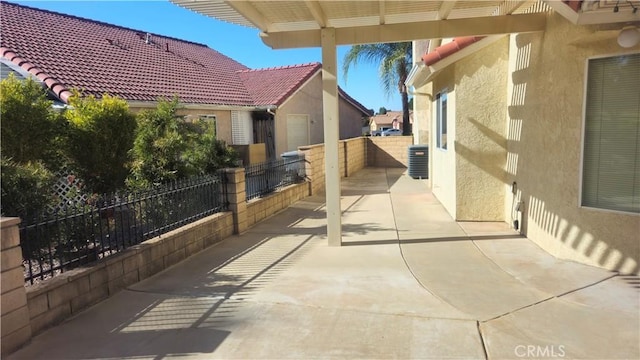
pixel 443 167
pixel 545 119
pixel 479 140
pixel 422 114
pixel 308 101
pixel 350 120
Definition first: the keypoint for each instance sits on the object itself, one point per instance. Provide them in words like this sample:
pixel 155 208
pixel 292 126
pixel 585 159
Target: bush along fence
pixel 89 228
pixel 85 231
pixel 31 309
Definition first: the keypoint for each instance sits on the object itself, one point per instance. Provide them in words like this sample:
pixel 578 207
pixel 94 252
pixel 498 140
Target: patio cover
pixel 327 24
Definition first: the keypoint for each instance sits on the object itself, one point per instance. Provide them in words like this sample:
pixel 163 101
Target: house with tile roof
pixel 540 130
pixel 281 107
pixel 388 120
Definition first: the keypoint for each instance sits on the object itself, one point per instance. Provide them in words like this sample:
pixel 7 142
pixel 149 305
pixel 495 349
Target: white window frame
pixel 583 136
pixel 439 121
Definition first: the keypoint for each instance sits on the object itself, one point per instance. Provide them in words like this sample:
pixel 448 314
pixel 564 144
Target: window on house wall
pixel 611 159
pixel 441 120
pixel 241 128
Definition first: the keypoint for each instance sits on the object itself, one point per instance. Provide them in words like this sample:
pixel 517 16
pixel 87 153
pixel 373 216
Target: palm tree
pixel 395 64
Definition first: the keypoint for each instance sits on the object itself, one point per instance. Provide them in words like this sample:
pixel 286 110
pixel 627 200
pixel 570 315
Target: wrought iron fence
pixel 264 178
pixel 77 234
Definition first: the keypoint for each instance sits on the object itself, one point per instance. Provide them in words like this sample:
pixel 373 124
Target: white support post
pixel 331 135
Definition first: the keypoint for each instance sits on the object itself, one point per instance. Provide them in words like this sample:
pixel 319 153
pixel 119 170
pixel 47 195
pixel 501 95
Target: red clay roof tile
pixel 447 49
pixel 101 58
pixel 98 58
pixel 272 86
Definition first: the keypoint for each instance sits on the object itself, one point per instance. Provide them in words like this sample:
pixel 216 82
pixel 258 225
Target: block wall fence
pixel 356 154
pixel 27 311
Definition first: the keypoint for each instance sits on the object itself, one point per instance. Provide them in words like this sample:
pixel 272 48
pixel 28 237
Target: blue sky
pixel 238 42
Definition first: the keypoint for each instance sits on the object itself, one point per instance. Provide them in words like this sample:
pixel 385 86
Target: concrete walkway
pixel 409 283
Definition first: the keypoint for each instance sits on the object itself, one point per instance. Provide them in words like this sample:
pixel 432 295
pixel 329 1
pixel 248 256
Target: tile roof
pixel 272 86
pixel 448 49
pixel 389 116
pixel 97 58
pixel 68 52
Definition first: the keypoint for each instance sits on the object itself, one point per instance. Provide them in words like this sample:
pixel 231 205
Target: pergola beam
pixel 383 11
pixel 510 6
pixel 481 26
pixel 317 12
pixel 445 9
pixel 250 13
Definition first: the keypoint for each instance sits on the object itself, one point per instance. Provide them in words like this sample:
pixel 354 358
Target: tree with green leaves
pixel 28 147
pixel 394 60
pixel 167 147
pixel 29 129
pixel 100 136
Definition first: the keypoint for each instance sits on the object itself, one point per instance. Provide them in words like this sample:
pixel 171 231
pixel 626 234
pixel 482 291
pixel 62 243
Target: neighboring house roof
pixel 67 52
pixel 387 119
pixel 354 102
pixel 272 86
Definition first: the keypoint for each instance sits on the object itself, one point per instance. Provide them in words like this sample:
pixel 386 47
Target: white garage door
pixel 297 131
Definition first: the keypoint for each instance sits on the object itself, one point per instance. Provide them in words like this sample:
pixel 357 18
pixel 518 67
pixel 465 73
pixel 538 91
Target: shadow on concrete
pixel 432 240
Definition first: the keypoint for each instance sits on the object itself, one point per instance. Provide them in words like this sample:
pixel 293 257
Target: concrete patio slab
pixel 457 272
pixel 570 329
pixel 540 270
pixel 409 283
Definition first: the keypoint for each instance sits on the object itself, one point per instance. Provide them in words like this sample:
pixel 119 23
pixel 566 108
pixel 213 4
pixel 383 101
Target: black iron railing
pixel 78 234
pixel 264 178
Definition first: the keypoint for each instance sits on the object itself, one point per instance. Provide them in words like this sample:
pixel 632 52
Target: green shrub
pixel 100 136
pixel 168 148
pixel 26 188
pixel 29 129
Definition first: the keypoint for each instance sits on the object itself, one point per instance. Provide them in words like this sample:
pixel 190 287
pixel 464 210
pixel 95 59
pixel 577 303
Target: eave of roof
pixel 273 86
pixel 354 102
pixel 445 55
pixel 448 49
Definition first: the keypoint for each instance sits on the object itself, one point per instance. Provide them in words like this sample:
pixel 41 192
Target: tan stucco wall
pixel 422 111
pixel 443 167
pixel 350 120
pixel 479 140
pixel 545 118
pixel 308 101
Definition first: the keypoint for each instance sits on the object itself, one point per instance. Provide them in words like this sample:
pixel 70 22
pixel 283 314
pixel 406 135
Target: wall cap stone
pixel 6 222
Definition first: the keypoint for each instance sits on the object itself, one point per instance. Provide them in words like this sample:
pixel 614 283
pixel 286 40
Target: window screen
pixel 611 162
